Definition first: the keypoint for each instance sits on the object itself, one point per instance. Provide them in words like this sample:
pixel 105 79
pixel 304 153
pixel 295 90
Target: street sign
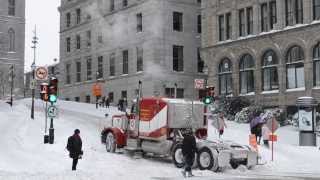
pixel 41 73
pixel 33 84
pixel 199 84
pixel 52 111
pixel 96 90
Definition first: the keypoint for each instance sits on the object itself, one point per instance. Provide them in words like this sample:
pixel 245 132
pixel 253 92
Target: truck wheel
pixel 177 156
pixel 110 143
pixel 205 159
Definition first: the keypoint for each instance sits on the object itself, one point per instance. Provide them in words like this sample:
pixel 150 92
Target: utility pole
pixel 11 78
pixel 33 67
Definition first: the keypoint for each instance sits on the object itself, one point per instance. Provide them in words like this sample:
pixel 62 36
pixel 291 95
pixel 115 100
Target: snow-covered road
pixel 24 156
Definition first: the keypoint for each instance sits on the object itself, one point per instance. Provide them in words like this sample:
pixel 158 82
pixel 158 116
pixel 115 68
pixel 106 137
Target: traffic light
pixel 209 98
pixel 44 91
pixel 53 90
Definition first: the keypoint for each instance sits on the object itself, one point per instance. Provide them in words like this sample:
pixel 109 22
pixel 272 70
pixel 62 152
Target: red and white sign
pixel 41 73
pixel 199 84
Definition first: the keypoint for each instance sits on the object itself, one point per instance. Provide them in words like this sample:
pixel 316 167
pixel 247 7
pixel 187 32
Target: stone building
pixel 122 42
pixel 266 50
pixel 12 37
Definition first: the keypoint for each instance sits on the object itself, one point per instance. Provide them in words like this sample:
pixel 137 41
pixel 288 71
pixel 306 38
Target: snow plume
pixel 114 28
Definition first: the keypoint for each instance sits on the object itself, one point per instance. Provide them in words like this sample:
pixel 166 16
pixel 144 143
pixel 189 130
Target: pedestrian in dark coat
pixel 189 148
pixel 74 147
pixel 120 105
pixel 107 102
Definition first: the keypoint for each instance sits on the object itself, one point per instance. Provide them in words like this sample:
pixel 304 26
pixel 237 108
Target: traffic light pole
pixel 51 130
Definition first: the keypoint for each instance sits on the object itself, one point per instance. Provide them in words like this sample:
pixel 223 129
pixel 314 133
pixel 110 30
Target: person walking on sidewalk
pixel 189 148
pixel 74 146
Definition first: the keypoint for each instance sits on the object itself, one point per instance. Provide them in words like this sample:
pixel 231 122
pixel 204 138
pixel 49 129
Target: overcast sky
pixel 44 14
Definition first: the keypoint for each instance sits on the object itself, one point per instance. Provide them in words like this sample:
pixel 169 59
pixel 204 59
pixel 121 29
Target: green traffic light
pixel 207 100
pixel 53 98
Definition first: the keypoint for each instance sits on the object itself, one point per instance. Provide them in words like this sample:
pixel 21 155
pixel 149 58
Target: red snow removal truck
pixel 156 126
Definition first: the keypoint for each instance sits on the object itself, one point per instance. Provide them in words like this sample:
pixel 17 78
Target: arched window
pixel 295 67
pixel 316 65
pixel 269 71
pixel 246 74
pixel 11 7
pixel 225 77
pixel 11 40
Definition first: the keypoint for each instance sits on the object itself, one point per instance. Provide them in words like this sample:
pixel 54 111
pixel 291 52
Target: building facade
pixel 122 42
pixel 266 50
pixel 12 38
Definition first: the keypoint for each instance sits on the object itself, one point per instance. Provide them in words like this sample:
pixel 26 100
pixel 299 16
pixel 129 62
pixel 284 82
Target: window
pixel 125 60
pixel 88 99
pixel 225 77
pixel 124 3
pixel 294 12
pixel 249 20
pixel 68 71
pixel 68 19
pixel 170 92
pixel 199 1
pixel 77 99
pixel 299 11
pixel 199 22
pixel 124 94
pixel 78 71
pixel 295 67
pixel 88 34
pixel 100 67
pixel 110 95
pixel 228 26
pixel 316 65
pixel 78 41
pixel 139 59
pixel 246 74
pixel 68 42
pixel 221 28
pixel 67 99
pixel 316 9
pixel 112 64
pixel 100 39
pixel 89 69
pixel 78 12
pixel 177 21
pixel 11 34
pixel 180 93
pixel 200 62
pixel 273 14
pixel 139 22
pixel 269 71
pixel 264 17
pixel 111 5
pixel 242 25
pixel 11 7
pixel 177 58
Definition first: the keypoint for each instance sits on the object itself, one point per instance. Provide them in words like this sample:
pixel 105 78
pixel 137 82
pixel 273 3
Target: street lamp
pixel 33 68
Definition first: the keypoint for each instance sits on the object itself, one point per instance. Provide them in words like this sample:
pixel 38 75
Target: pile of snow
pixel 24 156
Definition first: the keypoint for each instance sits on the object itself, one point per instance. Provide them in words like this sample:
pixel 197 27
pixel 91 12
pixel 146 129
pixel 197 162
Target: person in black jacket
pixel 189 148
pixel 74 147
